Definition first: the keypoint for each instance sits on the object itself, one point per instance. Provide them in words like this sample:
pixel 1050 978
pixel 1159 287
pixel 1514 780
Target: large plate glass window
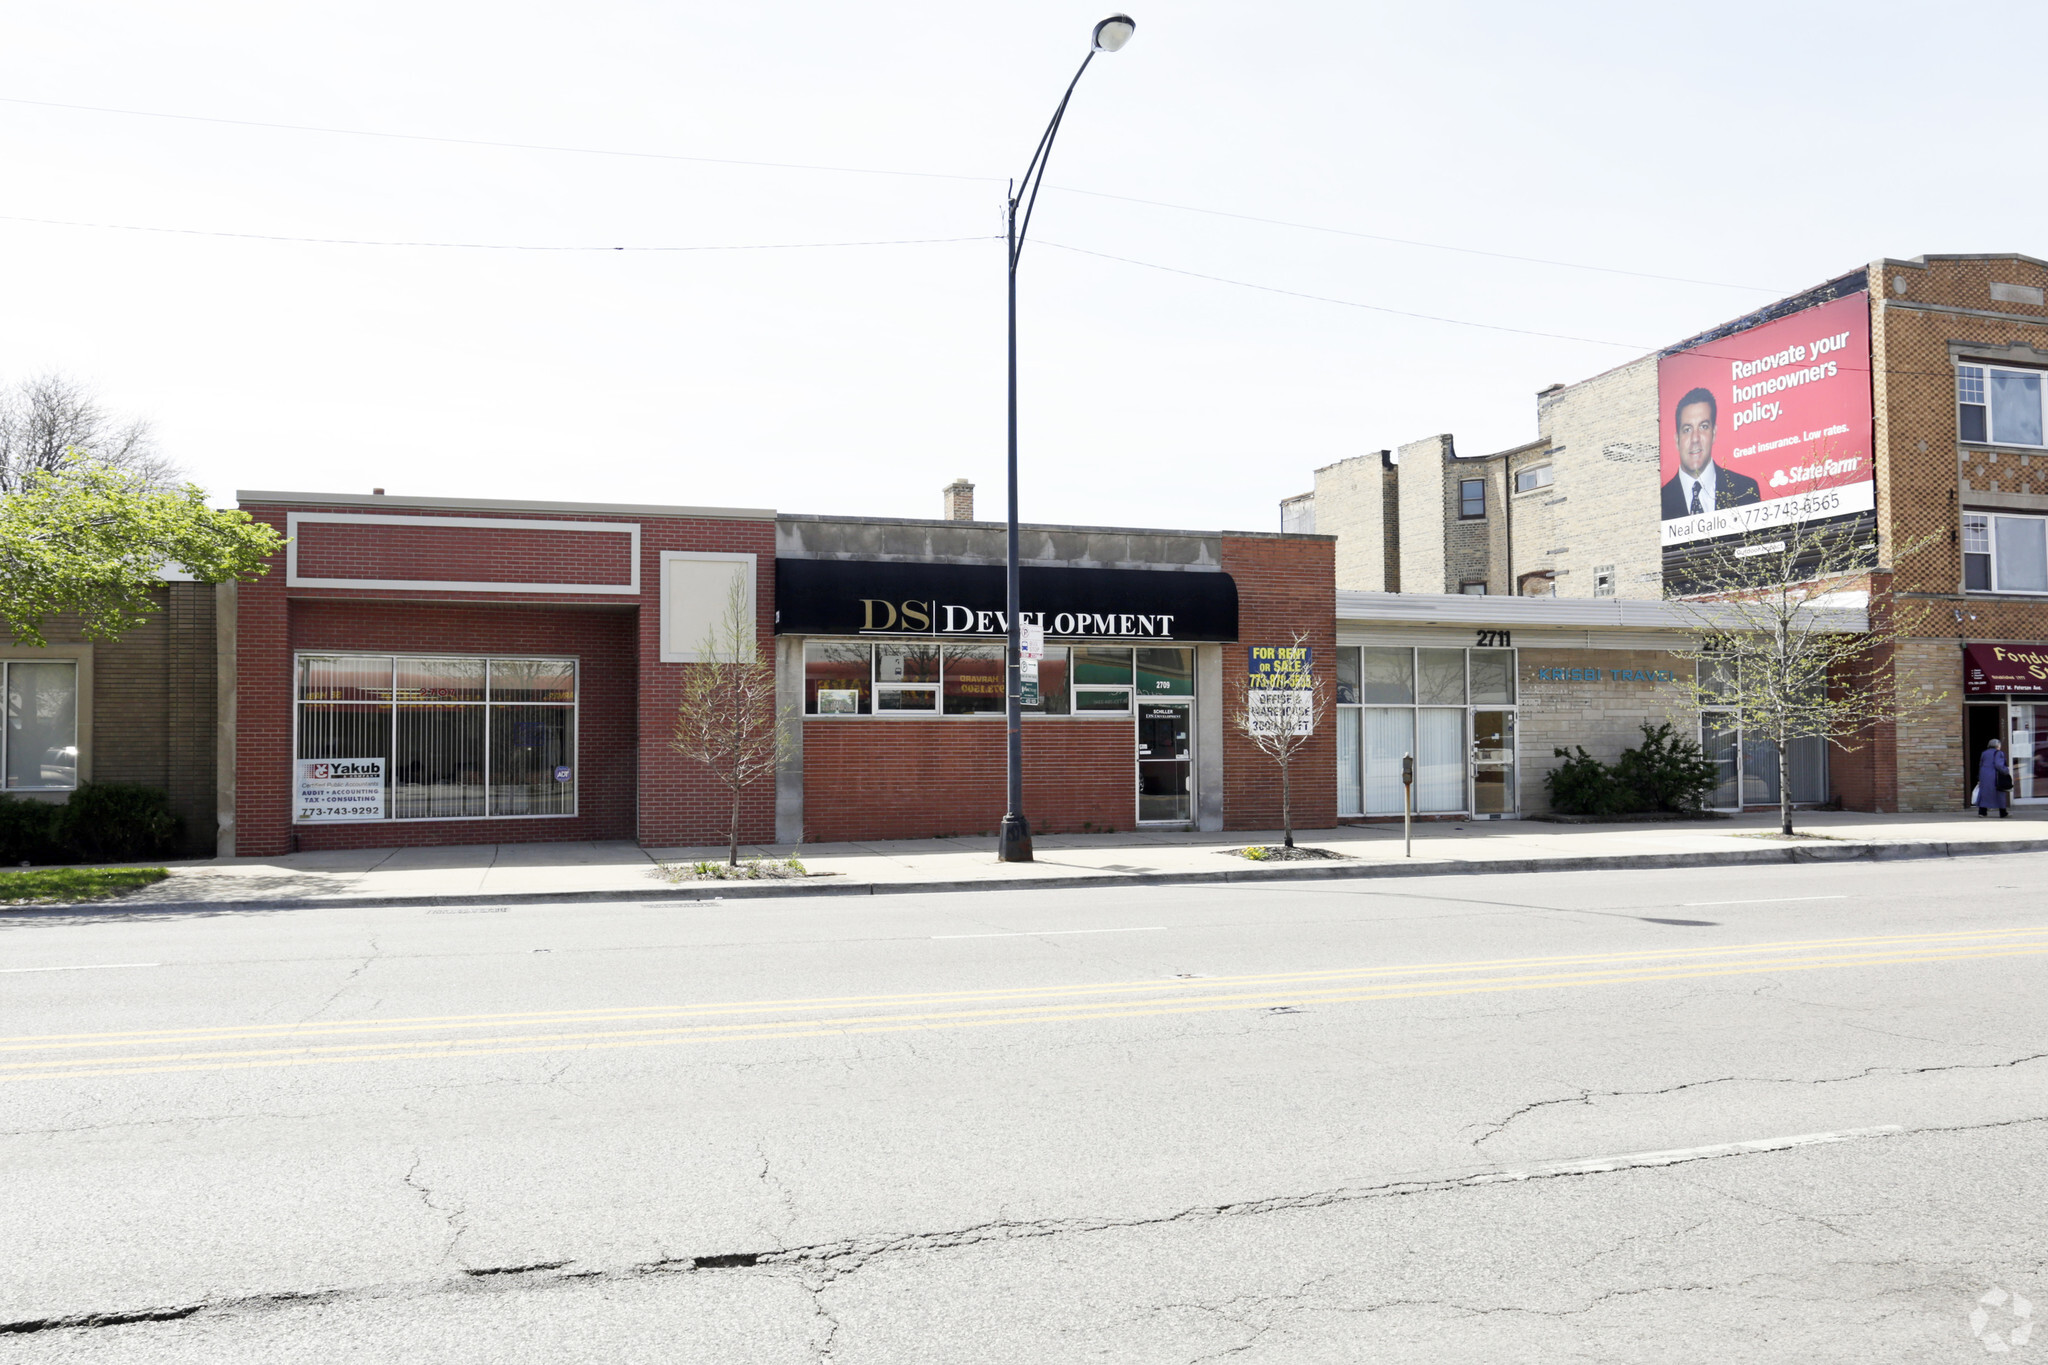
pixel 974 680
pixel 435 737
pixel 1395 701
pixel 41 741
pixel 837 678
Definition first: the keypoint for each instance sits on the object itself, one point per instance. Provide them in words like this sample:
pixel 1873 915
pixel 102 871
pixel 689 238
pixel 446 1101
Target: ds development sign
pixel 1765 428
pixel 340 789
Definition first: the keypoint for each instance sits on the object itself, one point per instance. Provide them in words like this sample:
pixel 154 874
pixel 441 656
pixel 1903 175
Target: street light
pixel 1013 842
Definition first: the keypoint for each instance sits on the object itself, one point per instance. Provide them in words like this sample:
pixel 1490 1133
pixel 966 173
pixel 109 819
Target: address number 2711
pixel 1495 639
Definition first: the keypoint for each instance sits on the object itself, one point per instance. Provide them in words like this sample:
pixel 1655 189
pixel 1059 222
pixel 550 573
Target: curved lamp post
pixel 1013 843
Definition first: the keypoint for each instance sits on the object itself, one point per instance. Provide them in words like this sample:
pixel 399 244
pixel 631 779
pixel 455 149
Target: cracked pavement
pixel 509 1149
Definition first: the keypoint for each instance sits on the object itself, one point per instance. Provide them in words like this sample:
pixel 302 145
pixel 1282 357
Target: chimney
pixel 959 496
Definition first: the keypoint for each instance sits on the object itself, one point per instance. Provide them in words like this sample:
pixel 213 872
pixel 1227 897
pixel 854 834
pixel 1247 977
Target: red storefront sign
pixel 2005 668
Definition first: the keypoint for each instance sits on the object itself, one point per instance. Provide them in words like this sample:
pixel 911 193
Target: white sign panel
pixel 340 789
pixel 1281 711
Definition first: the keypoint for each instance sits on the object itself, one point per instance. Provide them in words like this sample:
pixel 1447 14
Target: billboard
pixel 1762 429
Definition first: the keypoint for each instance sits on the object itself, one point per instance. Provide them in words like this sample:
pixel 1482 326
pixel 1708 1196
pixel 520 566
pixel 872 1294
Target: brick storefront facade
pixel 470 579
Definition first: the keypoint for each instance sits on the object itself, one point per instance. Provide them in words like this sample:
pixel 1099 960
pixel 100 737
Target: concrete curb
pixel 1322 871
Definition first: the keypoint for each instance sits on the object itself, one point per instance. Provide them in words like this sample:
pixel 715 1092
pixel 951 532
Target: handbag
pixel 2003 781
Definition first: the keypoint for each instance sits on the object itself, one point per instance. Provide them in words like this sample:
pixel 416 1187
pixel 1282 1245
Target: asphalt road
pixel 1751 1114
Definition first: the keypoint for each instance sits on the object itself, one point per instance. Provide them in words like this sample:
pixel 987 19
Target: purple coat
pixel 1989 797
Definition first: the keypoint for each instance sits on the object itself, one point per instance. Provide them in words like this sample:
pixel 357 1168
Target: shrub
pixel 1583 785
pixel 28 832
pixel 118 822
pixel 1666 771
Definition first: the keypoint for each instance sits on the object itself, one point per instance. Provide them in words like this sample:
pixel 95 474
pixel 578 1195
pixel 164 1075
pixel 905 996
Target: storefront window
pixel 1166 672
pixel 1746 765
pixel 435 737
pixel 855 678
pixel 1052 683
pixel 1440 760
pixel 1388 676
pixel 1493 677
pixel 1389 734
pixel 1347 675
pixel 1102 679
pixel 1420 703
pixel 836 678
pixel 1440 678
pixel 41 742
pixel 907 679
pixel 974 680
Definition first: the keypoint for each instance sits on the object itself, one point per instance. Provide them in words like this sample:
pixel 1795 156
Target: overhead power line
pixel 871 170
pixel 492 142
pixel 485 246
pixel 1411 241
pixel 1347 303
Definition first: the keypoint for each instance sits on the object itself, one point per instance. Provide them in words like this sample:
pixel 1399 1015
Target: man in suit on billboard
pixel 1700 485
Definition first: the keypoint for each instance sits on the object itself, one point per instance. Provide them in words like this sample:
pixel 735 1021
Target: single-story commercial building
pixel 1483 690
pixel 445 671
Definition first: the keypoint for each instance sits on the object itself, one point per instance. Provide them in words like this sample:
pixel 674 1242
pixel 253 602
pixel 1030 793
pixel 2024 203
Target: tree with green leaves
pixel 89 537
pixel 1781 645
pixel 727 719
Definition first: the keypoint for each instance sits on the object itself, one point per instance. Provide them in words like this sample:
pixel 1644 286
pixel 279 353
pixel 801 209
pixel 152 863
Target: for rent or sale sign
pixel 340 789
pixel 1279 696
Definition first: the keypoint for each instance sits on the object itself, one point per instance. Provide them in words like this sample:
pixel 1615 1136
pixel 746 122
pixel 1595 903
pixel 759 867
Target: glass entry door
pixel 1166 776
pixel 2027 750
pixel 1493 762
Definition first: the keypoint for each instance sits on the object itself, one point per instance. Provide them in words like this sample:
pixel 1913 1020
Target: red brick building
pixel 456 671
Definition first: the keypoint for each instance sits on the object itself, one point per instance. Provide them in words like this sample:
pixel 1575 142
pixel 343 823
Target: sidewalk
pixel 621 871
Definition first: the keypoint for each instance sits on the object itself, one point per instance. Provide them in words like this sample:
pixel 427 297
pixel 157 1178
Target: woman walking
pixel 1994 780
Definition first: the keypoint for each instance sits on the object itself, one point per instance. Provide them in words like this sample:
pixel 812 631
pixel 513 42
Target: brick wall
pixel 1352 498
pixel 874 778
pixel 1926 479
pixel 1283 586
pixel 1475 549
pixel 1606 716
pixel 679 802
pixel 463 554
pixel 1419 477
pixel 152 706
pixel 1603 436
pixel 631 783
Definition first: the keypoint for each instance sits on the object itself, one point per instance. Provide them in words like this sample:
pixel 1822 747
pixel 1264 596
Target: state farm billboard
pixel 1764 428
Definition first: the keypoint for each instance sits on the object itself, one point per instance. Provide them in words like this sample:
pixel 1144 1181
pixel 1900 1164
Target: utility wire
pixel 484 246
pixel 489 142
pixel 1347 303
pixel 868 170
pixel 1410 241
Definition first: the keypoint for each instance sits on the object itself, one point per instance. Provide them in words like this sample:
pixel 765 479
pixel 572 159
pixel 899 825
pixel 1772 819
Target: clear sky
pixel 1739 144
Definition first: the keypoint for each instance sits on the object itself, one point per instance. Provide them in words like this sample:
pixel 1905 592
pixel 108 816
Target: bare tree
pixel 1281 725
pixel 1779 645
pixel 727 719
pixel 46 419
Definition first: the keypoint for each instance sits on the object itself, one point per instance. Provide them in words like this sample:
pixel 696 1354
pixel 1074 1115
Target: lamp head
pixel 1112 33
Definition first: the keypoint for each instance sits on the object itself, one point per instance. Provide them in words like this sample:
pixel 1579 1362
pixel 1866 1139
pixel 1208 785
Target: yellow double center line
pixel 244 1047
